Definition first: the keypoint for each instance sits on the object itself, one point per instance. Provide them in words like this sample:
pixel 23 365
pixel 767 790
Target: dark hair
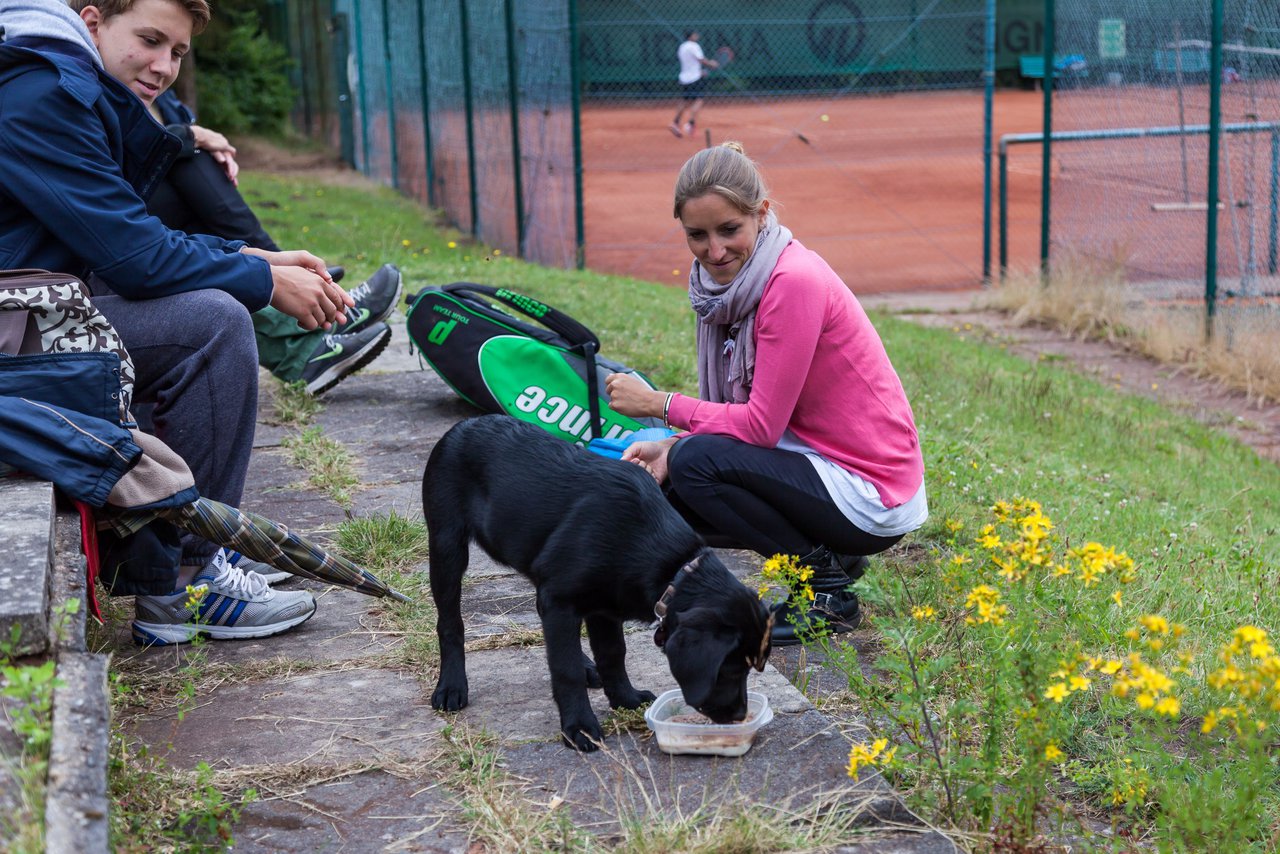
pixel 197 9
pixel 725 170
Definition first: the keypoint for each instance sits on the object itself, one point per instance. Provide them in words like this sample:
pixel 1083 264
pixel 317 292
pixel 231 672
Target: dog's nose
pixel 725 715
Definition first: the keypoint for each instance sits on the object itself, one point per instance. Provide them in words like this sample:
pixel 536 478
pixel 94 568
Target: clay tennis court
pixel 887 188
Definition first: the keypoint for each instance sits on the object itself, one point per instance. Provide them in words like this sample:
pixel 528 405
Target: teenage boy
pixel 79 153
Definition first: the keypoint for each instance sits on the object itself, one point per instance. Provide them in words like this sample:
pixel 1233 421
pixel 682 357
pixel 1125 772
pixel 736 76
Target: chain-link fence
pixel 1131 114
pixel 543 128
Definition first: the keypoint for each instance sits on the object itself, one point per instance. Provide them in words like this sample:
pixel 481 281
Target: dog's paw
pixel 586 739
pixel 448 698
pixel 593 672
pixel 634 700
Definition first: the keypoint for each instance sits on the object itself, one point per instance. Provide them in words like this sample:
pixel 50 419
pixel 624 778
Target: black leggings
pixel 738 495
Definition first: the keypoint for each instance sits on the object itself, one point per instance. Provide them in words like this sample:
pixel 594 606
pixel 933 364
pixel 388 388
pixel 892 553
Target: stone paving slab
pixel 373 811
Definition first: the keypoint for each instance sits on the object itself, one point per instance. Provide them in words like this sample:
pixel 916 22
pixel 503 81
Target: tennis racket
pixel 723 56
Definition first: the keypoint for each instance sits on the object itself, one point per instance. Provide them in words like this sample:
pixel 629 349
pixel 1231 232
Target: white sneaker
pixel 233 606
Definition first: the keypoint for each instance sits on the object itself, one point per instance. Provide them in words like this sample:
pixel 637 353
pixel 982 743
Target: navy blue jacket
pixel 79 153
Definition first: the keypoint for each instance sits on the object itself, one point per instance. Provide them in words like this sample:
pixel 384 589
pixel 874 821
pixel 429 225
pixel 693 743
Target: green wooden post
pixel 426 102
pixel 575 81
pixel 513 91
pixel 1211 213
pixel 466 95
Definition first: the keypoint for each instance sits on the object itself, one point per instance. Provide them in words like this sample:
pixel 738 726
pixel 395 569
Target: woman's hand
pixel 629 396
pixel 651 456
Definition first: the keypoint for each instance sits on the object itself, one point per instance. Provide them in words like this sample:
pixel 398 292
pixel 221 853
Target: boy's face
pixel 142 48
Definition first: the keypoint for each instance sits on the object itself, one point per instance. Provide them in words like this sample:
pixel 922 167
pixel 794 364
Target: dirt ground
pixel 1256 423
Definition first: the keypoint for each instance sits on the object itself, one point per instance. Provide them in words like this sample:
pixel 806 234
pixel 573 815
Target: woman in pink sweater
pixel 801 440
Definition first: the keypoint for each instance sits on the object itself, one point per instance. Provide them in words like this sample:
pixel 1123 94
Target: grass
pixel 1090 299
pixel 1198 511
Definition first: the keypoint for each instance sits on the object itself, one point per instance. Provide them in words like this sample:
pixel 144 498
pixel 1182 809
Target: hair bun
pixel 734 145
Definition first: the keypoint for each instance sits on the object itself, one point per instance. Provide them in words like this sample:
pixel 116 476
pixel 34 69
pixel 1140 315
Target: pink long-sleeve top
pixel 822 372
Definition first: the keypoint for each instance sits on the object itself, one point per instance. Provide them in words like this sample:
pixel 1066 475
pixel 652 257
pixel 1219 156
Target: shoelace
pixel 360 292
pixel 249 586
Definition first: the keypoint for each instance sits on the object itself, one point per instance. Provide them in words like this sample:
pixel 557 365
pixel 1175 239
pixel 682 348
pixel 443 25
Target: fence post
pixel 340 49
pixel 513 87
pixel 426 103
pixel 1274 198
pixel 1211 211
pixel 988 96
pixel 392 147
pixel 1004 210
pixel 1046 159
pixel 360 91
pixel 466 96
pixel 575 82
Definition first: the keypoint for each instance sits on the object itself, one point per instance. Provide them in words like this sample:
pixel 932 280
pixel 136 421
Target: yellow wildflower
pixel 1080 683
pixel 923 612
pixel 1052 753
pixel 953 525
pixel 1168 706
pixel 1056 692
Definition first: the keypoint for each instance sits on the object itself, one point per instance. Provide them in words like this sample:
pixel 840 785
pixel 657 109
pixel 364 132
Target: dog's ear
pixel 694 655
pixel 762 655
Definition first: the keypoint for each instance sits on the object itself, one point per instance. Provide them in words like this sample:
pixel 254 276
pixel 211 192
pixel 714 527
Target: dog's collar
pixel 663 604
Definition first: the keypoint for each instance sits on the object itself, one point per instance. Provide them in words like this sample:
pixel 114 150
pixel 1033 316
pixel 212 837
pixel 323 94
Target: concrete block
pixel 26 532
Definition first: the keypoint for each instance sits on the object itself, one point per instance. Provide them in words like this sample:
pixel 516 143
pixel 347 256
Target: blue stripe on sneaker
pixel 235 615
pixel 207 602
pixel 223 607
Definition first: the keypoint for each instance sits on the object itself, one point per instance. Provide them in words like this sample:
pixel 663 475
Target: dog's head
pixel 711 647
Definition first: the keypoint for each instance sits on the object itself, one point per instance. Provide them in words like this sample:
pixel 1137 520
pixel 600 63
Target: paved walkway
pixel 339 737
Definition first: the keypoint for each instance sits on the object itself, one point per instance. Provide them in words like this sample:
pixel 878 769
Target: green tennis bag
pixel 548 372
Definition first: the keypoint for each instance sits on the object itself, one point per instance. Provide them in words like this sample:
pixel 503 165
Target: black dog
pixel 601 544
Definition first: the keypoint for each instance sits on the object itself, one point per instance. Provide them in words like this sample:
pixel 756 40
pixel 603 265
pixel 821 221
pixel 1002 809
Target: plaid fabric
pixel 259 538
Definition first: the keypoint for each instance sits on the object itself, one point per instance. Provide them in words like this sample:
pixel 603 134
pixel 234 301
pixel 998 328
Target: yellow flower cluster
pixel 1151 689
pixel 1249 677
pixel 923 612
pixel 787 571
pixel 1068 681
pixel 1093 560
pixel 863 755
pixel 1155 631
pixel 195 595
pixel 983 601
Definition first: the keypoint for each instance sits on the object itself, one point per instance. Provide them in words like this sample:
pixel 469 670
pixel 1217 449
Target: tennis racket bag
pixel 547 372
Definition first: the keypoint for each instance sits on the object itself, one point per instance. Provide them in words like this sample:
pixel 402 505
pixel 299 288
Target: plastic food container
pixel 707 739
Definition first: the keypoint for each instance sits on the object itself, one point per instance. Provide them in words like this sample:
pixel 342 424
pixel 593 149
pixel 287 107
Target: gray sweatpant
pixel 197 370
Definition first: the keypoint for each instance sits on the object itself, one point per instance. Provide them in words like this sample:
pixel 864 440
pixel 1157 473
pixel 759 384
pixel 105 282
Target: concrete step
pixel 26 530
pixel 42 616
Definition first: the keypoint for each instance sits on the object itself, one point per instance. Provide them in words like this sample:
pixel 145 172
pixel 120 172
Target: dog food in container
pixel 680 729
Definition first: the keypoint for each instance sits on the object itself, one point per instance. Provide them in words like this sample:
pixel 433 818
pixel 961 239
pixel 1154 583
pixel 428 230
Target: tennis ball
pixel 826 118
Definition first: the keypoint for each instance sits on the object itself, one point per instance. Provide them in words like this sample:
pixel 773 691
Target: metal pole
pixel 392 146
pixel 360 92
pixel 1004 210
pixel 579 225
pixel 1046 158
pixel 466 95
pixel 513 91
pixel 426 102
pixel 1211 212
pixel 988 95
pixel 1274 203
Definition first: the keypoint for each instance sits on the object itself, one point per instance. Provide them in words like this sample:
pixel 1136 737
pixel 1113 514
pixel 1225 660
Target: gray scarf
pixel 50 19
pixel 727 318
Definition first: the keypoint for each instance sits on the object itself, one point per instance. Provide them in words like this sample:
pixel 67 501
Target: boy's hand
pixel 305 296
pixel 303 288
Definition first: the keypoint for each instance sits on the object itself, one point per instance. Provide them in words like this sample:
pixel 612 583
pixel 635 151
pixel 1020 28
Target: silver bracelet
pixel 666 409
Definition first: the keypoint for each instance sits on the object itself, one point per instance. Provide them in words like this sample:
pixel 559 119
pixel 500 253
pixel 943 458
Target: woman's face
pixel 720 236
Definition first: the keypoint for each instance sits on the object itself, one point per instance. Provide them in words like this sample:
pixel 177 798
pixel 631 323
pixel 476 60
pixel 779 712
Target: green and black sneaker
pixel 374 299
pixel 339 356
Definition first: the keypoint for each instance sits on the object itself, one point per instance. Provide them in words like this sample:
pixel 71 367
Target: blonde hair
pixel 726 170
